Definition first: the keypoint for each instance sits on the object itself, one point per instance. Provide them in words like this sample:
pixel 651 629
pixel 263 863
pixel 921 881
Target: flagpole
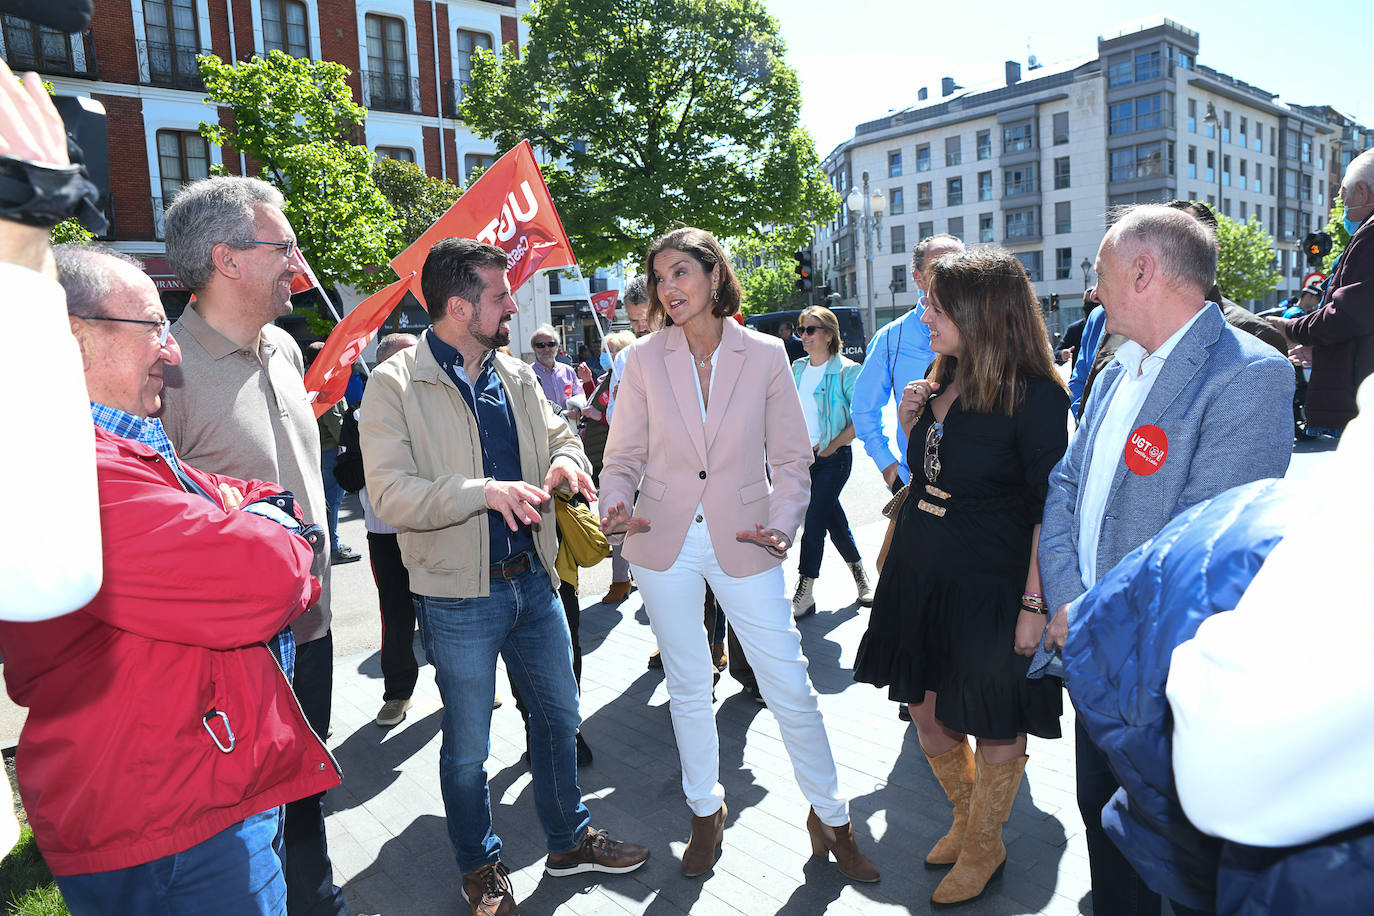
pixel 586 291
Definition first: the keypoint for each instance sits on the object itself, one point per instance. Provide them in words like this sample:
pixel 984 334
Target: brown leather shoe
pixel 707 833
pixel 488 891
pixel 618 592
pixel 954 770
pixel 597 852
pixel 718 656
pixel 839 842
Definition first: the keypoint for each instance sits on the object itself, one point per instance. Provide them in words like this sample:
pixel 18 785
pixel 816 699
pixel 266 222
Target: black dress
pixel 944 613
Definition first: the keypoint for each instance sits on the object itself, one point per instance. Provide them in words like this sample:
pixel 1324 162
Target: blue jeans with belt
pixel 825 515
pixel 522 621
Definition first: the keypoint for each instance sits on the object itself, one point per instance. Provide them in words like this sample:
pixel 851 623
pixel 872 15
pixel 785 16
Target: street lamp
pixel 1087 269
pixel 867 206
pixel 1212 118
pixel 892 288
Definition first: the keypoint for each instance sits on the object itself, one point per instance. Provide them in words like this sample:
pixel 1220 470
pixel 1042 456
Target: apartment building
pixel 1034 164
pixel 410 62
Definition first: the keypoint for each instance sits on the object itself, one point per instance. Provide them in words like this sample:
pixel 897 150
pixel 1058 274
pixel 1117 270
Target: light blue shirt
pixel 1087 352
pixel 899 353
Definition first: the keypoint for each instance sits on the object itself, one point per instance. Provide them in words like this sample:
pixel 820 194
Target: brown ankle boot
pixel 954 770
pixel 618 592
pixel 839 842
pixel 983 855
pixel 707 833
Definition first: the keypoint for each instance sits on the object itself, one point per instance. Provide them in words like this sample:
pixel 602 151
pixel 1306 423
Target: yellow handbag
pixel 580 541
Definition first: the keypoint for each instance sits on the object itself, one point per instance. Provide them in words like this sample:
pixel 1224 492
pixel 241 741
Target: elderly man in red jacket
pixel 162 735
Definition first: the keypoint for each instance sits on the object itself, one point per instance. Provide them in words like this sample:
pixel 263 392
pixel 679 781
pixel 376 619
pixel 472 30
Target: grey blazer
pixel 1224 399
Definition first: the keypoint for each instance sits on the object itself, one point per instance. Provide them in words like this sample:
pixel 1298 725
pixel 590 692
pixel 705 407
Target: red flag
pixel 509 207
pixel 301 283
pixel 328 376
pixel 604 303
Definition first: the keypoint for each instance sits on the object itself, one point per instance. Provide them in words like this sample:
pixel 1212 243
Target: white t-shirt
pixel 806 389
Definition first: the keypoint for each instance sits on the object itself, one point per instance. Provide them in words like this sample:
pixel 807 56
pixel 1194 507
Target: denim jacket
pixel 834 394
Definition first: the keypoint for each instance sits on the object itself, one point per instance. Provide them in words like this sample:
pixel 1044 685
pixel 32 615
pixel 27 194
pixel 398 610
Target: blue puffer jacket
pixel 1117 662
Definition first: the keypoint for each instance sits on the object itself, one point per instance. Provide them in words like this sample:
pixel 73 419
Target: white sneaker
pixel 393 712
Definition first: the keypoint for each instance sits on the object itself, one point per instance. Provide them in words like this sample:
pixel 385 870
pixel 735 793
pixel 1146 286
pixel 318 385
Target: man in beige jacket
pixel 461 449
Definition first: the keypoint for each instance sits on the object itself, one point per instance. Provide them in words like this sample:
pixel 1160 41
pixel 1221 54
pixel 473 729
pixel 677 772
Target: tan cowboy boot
pixel 983 855
pixel 954 770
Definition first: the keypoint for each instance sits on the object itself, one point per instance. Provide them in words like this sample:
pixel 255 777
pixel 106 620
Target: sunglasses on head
pixel 811 328
pixel 545 344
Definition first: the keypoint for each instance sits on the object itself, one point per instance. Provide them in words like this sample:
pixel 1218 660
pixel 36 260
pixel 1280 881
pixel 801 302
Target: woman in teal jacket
pixel 825 382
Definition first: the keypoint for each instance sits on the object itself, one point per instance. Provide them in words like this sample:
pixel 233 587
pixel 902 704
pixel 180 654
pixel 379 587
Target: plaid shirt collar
pixel 147 430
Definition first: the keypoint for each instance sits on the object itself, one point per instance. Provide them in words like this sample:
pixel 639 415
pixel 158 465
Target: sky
pixel 858 59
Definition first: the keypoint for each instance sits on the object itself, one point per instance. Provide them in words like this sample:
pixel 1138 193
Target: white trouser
pixel 761 614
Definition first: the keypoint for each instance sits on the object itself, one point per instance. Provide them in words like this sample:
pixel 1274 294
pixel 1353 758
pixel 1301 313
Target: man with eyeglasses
pixel 559 380
pixel 162 737
pixel 237 405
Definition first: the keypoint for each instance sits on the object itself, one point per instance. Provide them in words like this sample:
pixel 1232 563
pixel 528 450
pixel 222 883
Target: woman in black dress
pixel 984 428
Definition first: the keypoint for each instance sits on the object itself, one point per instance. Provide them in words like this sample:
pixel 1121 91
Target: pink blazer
pixel 659 446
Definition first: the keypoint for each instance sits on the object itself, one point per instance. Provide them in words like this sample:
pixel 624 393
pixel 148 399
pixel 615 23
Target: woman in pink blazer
pixel 706 410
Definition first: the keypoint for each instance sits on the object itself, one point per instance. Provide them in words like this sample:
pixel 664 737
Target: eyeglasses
pixel 932 462
pixel 288 248
pixel 164 327
pixel 545 344
pixel 811 328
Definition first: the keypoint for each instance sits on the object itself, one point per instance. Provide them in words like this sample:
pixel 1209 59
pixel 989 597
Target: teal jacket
pixel 833 395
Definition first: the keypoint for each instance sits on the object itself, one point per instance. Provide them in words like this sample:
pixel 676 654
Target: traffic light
pixel 803 269
pixel 1054 302
pixel 1316 246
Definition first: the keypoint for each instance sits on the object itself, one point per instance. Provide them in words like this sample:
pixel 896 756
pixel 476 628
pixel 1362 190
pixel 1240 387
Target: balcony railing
pixel 385 92
pixel 52 53
pixel 453 98
pixel 171 65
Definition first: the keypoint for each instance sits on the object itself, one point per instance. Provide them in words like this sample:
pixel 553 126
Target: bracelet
pixel 1035 601
pixel 1034 609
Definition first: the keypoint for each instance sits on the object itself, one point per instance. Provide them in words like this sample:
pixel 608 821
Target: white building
pixel 1034 163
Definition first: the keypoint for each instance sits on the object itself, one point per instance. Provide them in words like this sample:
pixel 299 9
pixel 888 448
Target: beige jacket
pixel 423 462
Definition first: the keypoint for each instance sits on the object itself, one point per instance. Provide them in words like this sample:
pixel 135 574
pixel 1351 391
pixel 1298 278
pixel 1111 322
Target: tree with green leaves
pixel 1245 263
pixel 417 198
pixel 656 113
pixel 292 117
pixel 767 273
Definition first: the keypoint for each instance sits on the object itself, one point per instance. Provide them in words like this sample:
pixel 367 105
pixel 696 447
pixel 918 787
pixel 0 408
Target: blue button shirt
pixel 486 398
pixel 899 353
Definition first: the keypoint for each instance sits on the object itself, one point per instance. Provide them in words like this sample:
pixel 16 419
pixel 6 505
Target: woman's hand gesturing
pixel 770 539
pixel 619 521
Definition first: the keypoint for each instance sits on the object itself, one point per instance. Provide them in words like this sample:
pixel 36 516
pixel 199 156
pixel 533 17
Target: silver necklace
pixel 704 361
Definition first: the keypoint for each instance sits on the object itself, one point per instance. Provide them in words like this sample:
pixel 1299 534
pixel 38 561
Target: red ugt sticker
pixel 1146 449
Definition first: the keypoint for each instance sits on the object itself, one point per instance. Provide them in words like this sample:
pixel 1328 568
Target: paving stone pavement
pixel 392 855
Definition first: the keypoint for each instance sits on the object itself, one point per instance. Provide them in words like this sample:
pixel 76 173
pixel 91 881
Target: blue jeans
pixel 235 872
pixel 825 515
pixel 333 493
pixel 522 620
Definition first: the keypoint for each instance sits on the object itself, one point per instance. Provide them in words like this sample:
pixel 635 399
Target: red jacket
pixel 115 765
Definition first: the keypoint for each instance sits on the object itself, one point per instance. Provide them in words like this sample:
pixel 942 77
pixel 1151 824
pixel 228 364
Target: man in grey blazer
pixel 1189 407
